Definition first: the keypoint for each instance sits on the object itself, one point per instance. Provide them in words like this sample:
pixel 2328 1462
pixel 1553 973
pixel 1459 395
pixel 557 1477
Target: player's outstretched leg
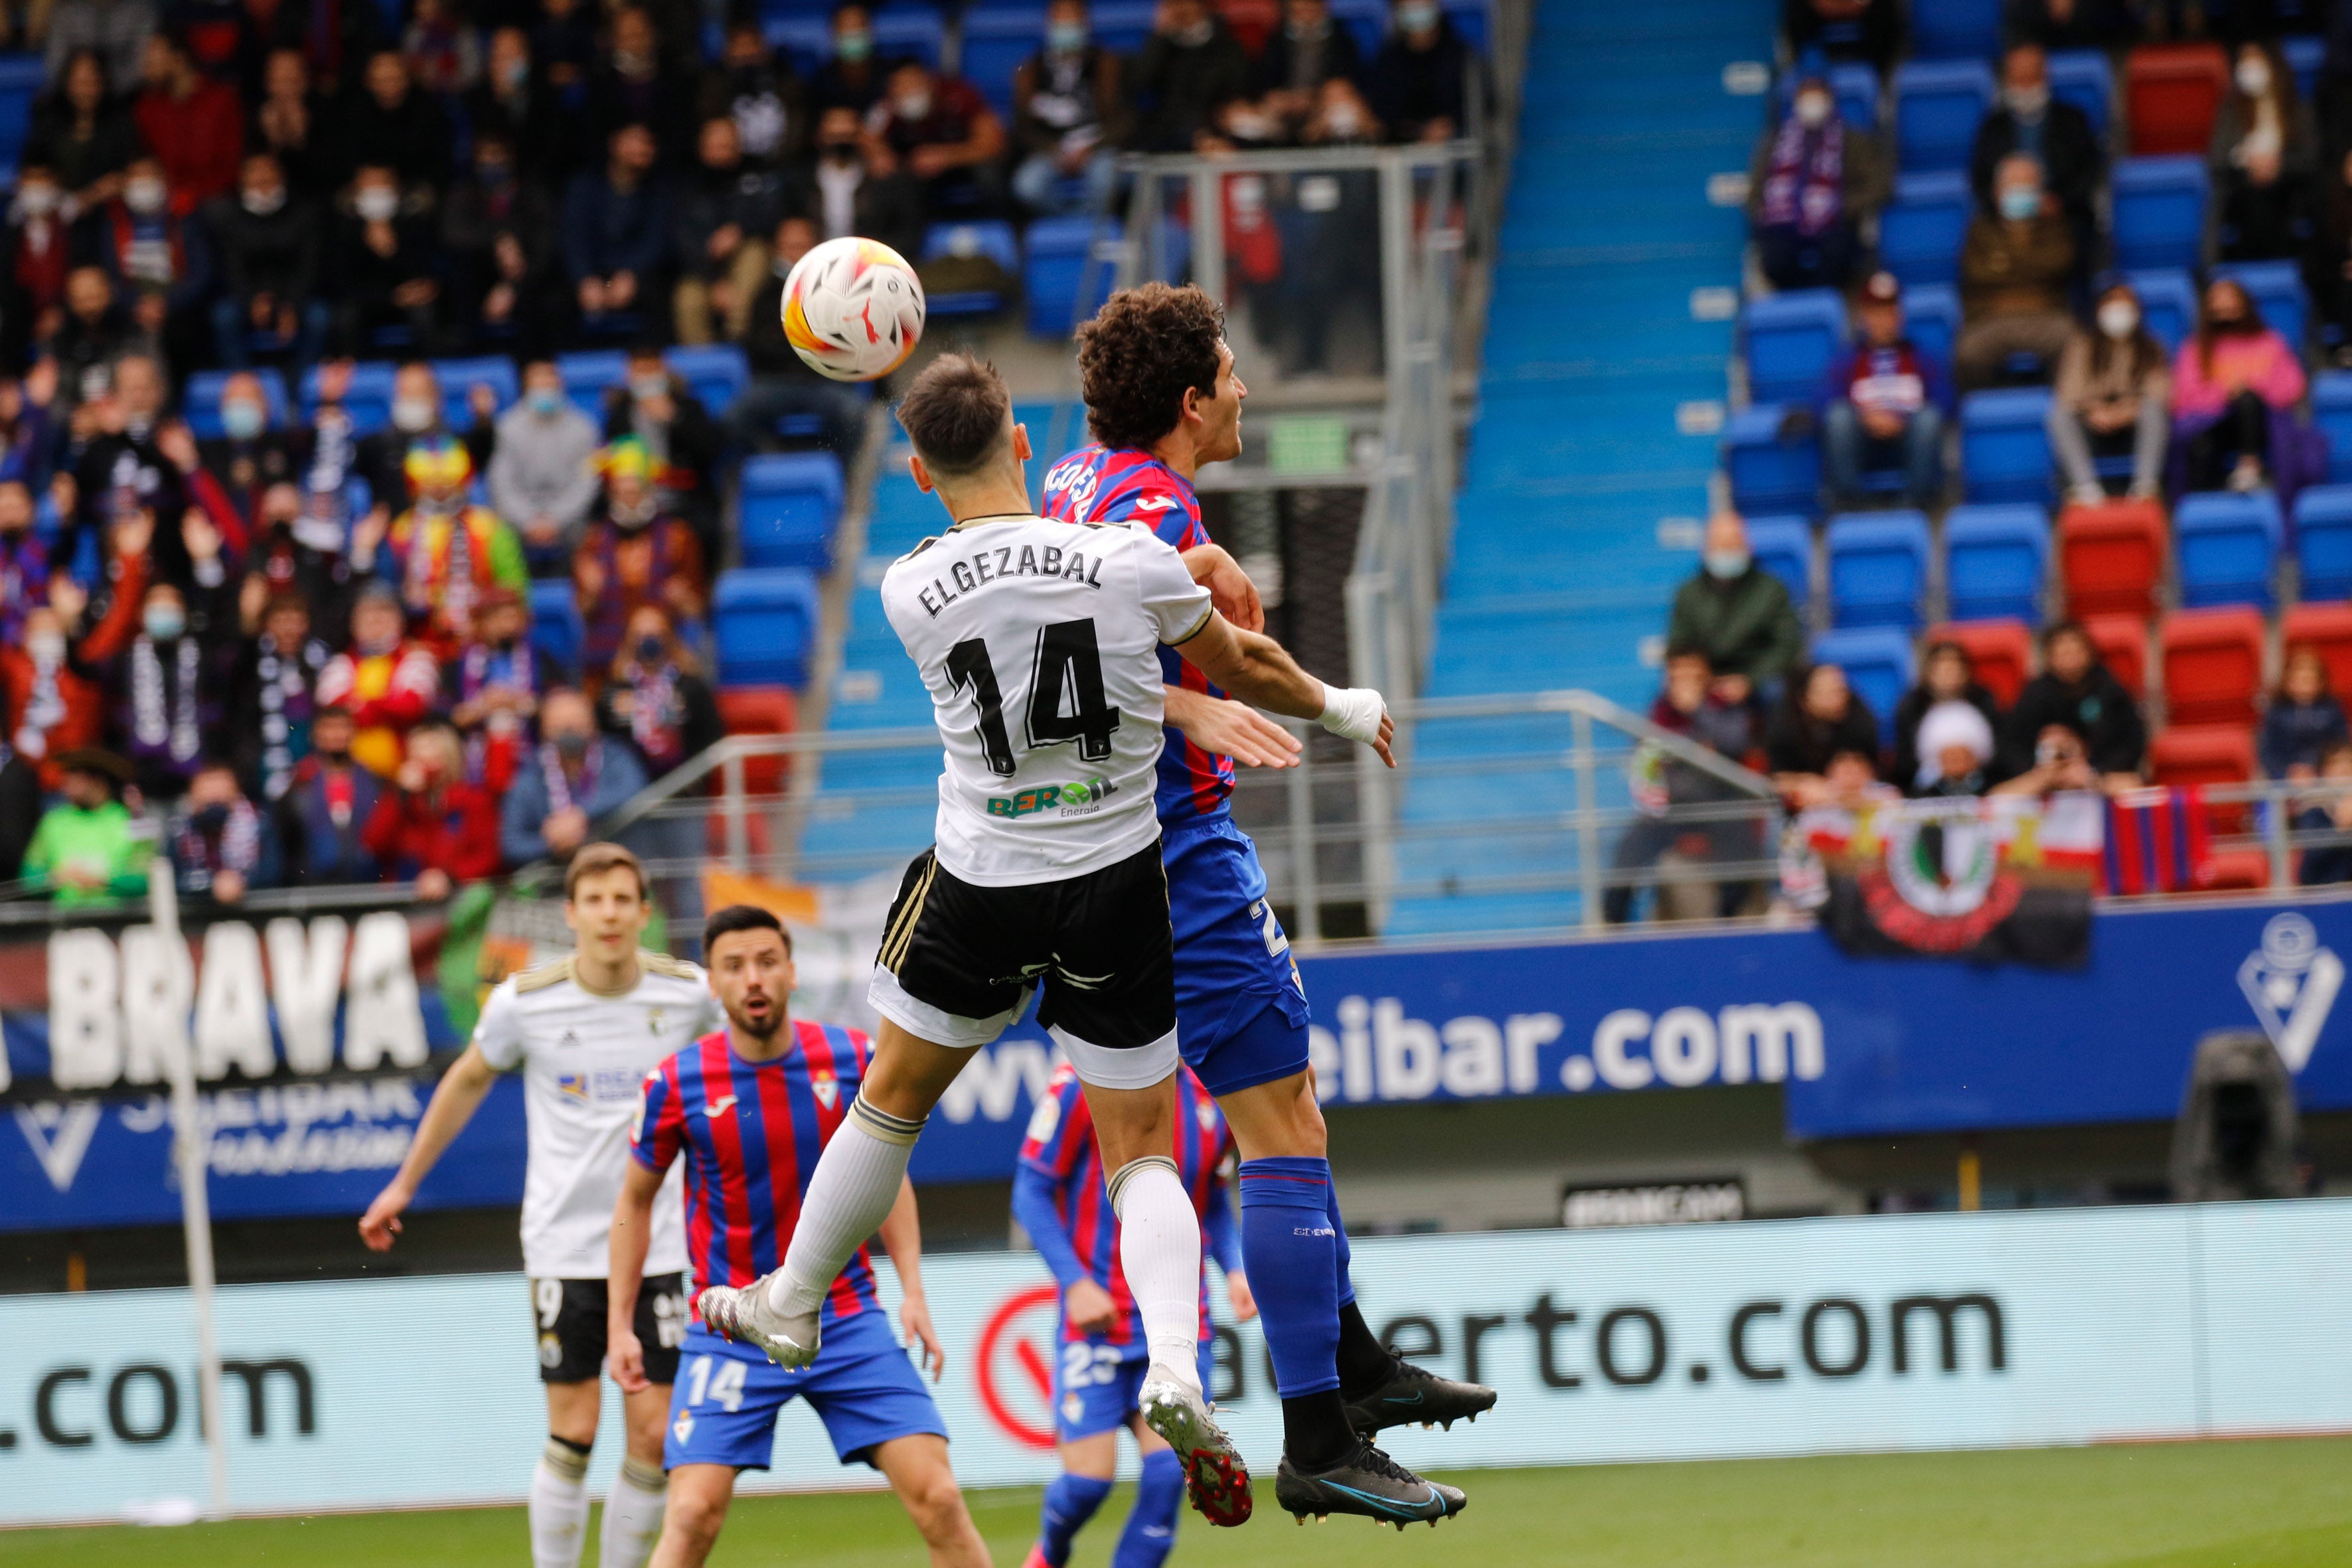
pixel 1381 1388
pixel 917 1470
pixel 1150 1532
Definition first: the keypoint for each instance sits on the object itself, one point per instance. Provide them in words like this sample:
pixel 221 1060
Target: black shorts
pixel 570 1315
pixel 966 956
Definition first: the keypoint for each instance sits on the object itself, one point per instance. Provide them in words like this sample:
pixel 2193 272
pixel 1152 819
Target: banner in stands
pixel 1682 1341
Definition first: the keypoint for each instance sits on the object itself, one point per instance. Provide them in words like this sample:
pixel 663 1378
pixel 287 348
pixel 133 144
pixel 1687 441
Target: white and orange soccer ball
pixel 853 308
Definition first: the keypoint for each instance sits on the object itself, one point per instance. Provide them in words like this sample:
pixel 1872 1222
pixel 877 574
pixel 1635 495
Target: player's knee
pixel 936 1503
pixel 695 1513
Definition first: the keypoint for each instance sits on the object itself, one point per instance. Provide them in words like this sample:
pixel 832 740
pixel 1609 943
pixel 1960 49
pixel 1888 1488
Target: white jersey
pixel 1040 644
pixel 583 1057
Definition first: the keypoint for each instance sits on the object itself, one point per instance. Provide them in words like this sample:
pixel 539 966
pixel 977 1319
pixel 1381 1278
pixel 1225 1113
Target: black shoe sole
pixel 1369 1418
pixel 1323 1501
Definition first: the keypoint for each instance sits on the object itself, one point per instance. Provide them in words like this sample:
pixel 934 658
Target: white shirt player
pixel 583 1056
pixel 1039 644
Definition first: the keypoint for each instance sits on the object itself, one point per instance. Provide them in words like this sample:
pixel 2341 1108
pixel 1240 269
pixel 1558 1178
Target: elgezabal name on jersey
pixel 1005 561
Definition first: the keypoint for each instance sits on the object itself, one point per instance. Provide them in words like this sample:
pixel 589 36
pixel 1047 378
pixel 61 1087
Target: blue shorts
pixel 1095 1390
pixel 1241 1013
pixel 863 1387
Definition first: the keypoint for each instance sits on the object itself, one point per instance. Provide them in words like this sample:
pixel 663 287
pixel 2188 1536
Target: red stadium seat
pixel 1253 22
pixel 759 710
pixel 2112 557
pixel 2206 754
pixel 2171 92
pixel 2001 651
pixel 2233 871
pixel 2122 642
pixel 2327 628
pixel 2213 665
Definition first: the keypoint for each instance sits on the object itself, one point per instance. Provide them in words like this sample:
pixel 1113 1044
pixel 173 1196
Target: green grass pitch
pixel 2282 1504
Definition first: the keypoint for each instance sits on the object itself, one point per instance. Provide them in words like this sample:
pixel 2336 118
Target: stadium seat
pixel 459 377
pixel 1995 558
pixel 2212 662
pixel 1920 232
pixel 1472 19
pixel 1879 665
pixel 2326 628
pixel 997 41
pixel 990 238
pixel 1938 103
pixel 2226 548
pixel 789 504
pixel 2323 541
pixel 2182 756
pixel 1053 274
pixel 2171 92
pixel 1367 19
pixel 2331 410
pixel 1784 547
pixel 588 377
pixel 807 38
pixel 2005 444
pixel 368 400
pixel 717 373
pixel 1789 341
pixel 763 621
pixel 917 31
pixel 2122 642
pixel 2305 55
pixel 1956 29
pixel 1931 315
pixel 2277 291
pixel 2000 652
pixel 2167 304
pixel 2083 78
pixel 555 627
pixel 200 403
pixel 1122 25
pixel 2111 557
pixel 1877 568
pixel 760 711
pixel 2159 213
pixel 1770 473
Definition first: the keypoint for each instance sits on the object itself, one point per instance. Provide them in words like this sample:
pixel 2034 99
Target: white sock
pixel 633 1516
pixel 849 1196
pixel 558 1506
pixel 1159 1252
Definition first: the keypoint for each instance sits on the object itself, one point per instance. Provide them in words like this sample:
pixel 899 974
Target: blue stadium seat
pixel 2159 212
pixel 2005 444
pixel 2083 78
pixel 763 621
pixel 909 31
pixel 1789 341
pixel 997 41
pixel 459 377
pixel 2323 540
pixel 717 373
pixel 2227 546
pixel 555 628
pixel 807 38
pixel 2331 410
pixel 1878 568
pixel 2276 288
pixel 1054 272
pixel 200 403
pixel 1937 106
pixel 1367 19
pixel 789 504
pixel 1931 315
pixel 2168 303
pixel 1879 665
pixel 2305 55
pixel 1472 19
pixel 1784 547
pixel 1994 562
pixel 1769 474
pixel 368 401
pixel 1920 232
pixel 990 238
pixel 1956 29
pixel 1123 25
pixel 588 377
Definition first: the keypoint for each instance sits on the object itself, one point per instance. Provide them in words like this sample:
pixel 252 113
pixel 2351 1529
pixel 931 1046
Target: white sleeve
pixel 498 1033
pixel 1179 607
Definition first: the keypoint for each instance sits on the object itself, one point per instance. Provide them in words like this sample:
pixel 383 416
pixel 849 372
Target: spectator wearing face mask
pixel 573 778
pixel 755 87
pixel 275 682
pixel 944 134
pixel 37 260
pixel 1812 180
pixel 1188 67
pixel 543 473
pixel 81 132
pixel 1068 113
pixel 220 845
pixel 2114 395
pixel 2058 762
pixel 1686 706
pixel 656 408
pixel 2264 153
pixel 160 260
pixel 319 820
pixel 2076 693
pixel 55 702
pixel 384 264
pixel 498 243
pixel 853 75
pixel 1308 49
pixel 193 126
pixel 726 212
pixel 268 248
pixel 781 383
pixel 89 848
pixel 1739 614
pixel 299 548
pixel 636 554
pixel 635 87
pixel 249 457
pixel 122 461
pixel 1888 401
pixel 618 234
pixel 516 103
pixel 493 687
pixel 2027 121
pixel 1420 82
pixel 432 828
pixel 1866 30
pixel 855 187
pixel 1329 290
pixel 655 698
pixel 168 695
pixel 2014 269
pixel 386 681
pixel 2235 384
pixel 420 418
pixel 1956 753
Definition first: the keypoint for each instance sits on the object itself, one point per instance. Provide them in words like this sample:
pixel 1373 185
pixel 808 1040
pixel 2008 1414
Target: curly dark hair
pixel 1144 348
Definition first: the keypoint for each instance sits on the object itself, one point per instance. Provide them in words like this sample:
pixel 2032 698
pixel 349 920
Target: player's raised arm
pixel 632 1236
pixel 455 1097
pixel 1256 670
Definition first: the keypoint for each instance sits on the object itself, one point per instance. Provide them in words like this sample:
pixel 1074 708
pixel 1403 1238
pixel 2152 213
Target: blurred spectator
pixel 781 381
pixel 167 692
pixel 493 686
pixel 291 125
pixel 384 681
pixel 1812 180
pixel 277 693
pixel 2075 690
pixel 383 269
pixel 2331 270
pixel 2058 762
pixel 444 52
pixel 431 827
pixel 1188 67
pixel 1888 399
pixel 301 547
pixel 523 110
pixel 575 778
pixel 852 78
pixel 2325 865
pixel 2072 24
pixel 498 239
pixel 1686 706
pixel 655 696
pixel 268 248
pixel 219 842
pixel 725 215
pixel 543 470
pixel 420 418
pixel 337 38
pixel 636 554
pixel 20 812
pixel 2264 153
pixel 116 31
pixel 2114 396
pixel 1308 49
pixel 1420 83
pixel 1817 716
pixel 632 89
pixel 857 188
pixel 1866 30
pixel 326 808
pixel 89 848
pixel 617 232
pixel 680 438
pixel 2028 122
pixel 29 435
pixel 81 134
pixel 195 126
pixel 564 44
pixel 1326 288
pixel 23 562
pixel 1946 675
pixel 1739 614
pixel 446 552
pixel 1068 114
pixel 391 124
pixel 755 87
pixel 95 329
pixel 1956 752
pixel 2303 719
pixel 2014 269
pixel 55 702
pixel 2234 382
pixel 159 258
pixel 247 456
pixel 944 134
pixel 33 271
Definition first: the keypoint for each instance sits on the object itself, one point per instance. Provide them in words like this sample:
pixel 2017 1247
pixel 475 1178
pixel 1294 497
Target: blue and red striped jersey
pixel 1060 1146
pixel 1097 484
pixel 750 1133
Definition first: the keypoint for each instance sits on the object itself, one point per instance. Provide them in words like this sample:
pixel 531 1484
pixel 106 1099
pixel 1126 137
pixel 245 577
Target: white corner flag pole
pixel 192 1148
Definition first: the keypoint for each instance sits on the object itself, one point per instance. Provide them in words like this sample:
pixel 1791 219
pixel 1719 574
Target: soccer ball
pixel 853 308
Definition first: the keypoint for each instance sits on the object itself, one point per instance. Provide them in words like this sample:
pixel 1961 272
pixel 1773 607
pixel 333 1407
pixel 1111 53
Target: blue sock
pixel 1287 1251
pixel 1150 1532
pixel 1346 1258
pixel 1070 1502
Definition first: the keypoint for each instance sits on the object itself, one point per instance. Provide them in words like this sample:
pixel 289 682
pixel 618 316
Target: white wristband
pixel 1353 712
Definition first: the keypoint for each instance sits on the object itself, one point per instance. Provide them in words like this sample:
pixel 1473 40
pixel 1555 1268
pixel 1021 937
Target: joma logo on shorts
pixel 1046 797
